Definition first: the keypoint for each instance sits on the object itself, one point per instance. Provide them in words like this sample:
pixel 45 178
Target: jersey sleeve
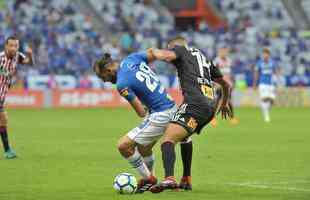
pixel 215 71
pixel 125 91
pixel 21 57
pixel 179 51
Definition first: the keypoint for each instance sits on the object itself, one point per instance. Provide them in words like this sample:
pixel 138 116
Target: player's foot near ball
pixel 168 184
pixel 186 183
pixel 146 184
pixel 10 154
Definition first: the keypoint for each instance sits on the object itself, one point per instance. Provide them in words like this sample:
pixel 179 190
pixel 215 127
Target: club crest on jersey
pixel 124 92
pixel 192 123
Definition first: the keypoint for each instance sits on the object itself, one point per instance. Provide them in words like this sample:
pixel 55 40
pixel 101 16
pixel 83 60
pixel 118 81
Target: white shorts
pixel 266 91
pixel 152 127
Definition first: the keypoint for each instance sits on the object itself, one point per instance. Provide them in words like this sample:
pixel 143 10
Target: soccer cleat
pixel 168 183
pixel 186 183
pixel 10 154
pixel 146 184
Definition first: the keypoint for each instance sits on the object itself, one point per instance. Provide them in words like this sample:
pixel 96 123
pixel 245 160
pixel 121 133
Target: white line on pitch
pixel 254 185
pixel 276 183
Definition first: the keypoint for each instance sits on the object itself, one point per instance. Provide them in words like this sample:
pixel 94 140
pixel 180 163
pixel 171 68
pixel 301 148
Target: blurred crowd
pixel 66 41
pixel 62 37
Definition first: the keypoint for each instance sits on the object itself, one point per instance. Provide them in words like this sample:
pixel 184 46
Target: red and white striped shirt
pixel 7 71
pixel 225 66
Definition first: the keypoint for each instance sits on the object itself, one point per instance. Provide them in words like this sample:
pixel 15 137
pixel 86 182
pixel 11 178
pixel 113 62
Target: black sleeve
pixel 179 52
pixel 215 71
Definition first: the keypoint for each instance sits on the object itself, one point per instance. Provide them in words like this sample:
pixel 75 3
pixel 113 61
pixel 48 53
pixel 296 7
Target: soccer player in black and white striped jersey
pixel 197 75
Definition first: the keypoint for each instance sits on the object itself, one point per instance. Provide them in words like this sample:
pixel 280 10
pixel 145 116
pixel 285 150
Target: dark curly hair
pixel 102 62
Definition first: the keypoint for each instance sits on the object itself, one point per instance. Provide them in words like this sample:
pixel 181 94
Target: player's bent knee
pixel 126 147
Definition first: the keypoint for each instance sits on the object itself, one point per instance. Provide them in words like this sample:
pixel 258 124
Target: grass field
pixel 71 154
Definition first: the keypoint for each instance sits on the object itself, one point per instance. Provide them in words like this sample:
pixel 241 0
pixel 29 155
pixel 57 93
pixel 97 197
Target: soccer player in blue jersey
pixel 264 71
pixel 139 85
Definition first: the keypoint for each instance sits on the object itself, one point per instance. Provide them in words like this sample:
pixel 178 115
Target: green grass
pixel 71 154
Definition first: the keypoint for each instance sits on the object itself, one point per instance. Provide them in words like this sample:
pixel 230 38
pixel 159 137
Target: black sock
pixel 231 108
pixel 4 138
pixel 168 156
pixel 187 152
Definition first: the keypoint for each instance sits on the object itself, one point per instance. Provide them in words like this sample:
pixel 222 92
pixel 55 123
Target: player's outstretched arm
pixel 29 57
pixel 224 108
pixel 161 54
pixel 138 107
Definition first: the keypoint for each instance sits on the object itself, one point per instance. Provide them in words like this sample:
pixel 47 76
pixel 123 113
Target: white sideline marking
pixel 276 183
pixel 264 186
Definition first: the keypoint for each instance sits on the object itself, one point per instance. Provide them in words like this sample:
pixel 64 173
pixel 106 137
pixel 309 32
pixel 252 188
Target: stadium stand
pixel 66 41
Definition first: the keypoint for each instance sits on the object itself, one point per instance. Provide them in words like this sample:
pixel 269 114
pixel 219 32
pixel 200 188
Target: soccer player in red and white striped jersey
pixel 225 64
pixel 9 59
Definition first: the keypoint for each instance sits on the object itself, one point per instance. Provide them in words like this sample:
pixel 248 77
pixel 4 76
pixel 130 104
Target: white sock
pixel 149 161
pixel 268 105
pixel 137 162
pixel 265 109
pixel 269 108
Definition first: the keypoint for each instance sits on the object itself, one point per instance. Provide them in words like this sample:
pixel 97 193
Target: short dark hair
pixel 12 37
pixel 178 40
pixel 103 62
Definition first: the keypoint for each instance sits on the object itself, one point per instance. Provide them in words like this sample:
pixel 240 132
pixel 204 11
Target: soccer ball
pixel 125 183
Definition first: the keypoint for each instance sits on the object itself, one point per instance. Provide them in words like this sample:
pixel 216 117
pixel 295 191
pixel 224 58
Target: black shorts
pixel 192 117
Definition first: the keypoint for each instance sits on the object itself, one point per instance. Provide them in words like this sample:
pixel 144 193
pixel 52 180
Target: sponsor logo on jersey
pixel 192 123
pixel 207 91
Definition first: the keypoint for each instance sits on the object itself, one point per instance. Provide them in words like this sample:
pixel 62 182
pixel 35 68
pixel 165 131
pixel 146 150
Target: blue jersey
pixel 136 79
pixel 265 71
